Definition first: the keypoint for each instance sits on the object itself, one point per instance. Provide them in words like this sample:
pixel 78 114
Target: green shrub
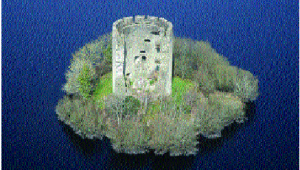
pixel 207 56
pixel 205 80
pixel 96 56
pixel 85 79
pixel 190 99
pixel 64 109
pixel 151 82
pixel 183 58
pixel 113 105
pixel 183 96
pixel 82 115
pixel 128 136
pixel 228 102
pixel 132 105
pixel 122 106
pixel 96 51
pixel 172 131
pixel 210 122
pixel 108 54
pixel 246 85
pixel 73 84
pixel 225 77
pixel 190 55
pixel 104 64
pixel 220 110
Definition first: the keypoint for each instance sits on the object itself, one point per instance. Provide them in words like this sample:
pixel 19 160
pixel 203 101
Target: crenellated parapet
pixel 160 23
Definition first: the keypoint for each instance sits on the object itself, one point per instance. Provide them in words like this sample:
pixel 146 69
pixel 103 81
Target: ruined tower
pixel 142 56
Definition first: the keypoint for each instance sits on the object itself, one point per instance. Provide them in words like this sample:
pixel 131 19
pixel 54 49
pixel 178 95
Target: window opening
pixel 144 58
pixel 157 47
pixel 146 40
pixel 157 68
pixel 155 32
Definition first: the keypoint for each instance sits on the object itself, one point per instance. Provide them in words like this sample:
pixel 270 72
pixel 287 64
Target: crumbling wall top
pixel 121 24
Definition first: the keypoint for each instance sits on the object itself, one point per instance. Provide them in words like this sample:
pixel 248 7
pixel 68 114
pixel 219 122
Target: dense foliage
pixel 207 95
pixel 93 60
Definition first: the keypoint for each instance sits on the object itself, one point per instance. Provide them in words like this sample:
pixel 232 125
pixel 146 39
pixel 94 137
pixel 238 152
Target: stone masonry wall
pixel 142 56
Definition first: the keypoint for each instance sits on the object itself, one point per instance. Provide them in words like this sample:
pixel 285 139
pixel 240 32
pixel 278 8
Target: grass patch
pixel 179 88
pixel 104 88
pixel 151 82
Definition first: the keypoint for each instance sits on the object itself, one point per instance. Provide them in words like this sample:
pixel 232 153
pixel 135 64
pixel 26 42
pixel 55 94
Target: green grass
pixel 84 79
pixel 104 88
pixel 179 88
pixel 151 82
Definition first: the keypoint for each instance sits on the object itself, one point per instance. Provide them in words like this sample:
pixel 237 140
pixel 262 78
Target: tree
pixel 85 79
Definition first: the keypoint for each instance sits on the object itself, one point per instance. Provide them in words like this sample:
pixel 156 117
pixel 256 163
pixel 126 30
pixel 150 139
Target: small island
pixel 159 98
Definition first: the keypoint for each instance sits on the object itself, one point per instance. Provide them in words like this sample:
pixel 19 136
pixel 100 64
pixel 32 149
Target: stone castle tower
pixel 142 56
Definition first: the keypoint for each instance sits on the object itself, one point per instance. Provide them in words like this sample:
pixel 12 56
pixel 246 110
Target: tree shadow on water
pixel 88 147
pixel 211 145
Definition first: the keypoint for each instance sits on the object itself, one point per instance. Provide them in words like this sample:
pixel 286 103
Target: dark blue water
pixel 38 38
